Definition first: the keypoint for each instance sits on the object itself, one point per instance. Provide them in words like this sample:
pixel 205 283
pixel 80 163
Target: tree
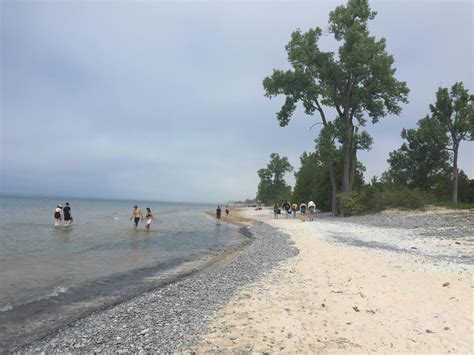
pixel 454 109
pixel 356 82
pixel 422 162
pixel 272 187
pixel 313 181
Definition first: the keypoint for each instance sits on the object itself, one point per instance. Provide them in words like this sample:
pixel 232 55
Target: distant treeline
pixel 345 90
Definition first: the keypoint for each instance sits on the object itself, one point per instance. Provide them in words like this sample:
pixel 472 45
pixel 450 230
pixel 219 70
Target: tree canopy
pixel 422 161
pixel 272 187
pixel 454 109
pixel 355 83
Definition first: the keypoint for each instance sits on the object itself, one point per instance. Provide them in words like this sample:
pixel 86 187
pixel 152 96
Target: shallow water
pixel 100 256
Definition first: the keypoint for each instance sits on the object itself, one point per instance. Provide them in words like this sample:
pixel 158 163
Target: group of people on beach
pixel 293 208
pixel 219 213
pixel 60 213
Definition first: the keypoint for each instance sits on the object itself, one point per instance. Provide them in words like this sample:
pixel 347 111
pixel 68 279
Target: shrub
pixel 349 203
pixel 374 198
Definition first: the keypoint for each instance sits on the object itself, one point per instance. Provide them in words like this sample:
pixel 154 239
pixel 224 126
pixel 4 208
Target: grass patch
pixel 458 206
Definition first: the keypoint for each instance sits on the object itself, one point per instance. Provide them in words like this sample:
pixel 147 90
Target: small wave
pixel 6 308
pixel 54 293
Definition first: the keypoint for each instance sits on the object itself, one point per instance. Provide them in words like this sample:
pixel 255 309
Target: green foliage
pixel 355 82
pixel 466 188
pixel 377 197
pixel 455 112
pixel 312 179
pixel 454 109
pixel 421 162
pixel 349 203
pixel 272 187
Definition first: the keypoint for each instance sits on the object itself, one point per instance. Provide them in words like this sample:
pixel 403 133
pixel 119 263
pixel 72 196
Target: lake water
pixel 97 261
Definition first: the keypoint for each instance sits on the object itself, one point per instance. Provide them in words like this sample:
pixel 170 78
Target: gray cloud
pixel 165 101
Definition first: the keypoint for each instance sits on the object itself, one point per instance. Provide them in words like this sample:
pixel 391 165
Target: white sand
pixel 338 298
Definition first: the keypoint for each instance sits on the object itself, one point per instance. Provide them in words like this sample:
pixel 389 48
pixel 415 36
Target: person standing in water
pixel 218 214
pixel 58 215
pixel 136 215
pixel 149 219
pixel 227 211
pixel 67 214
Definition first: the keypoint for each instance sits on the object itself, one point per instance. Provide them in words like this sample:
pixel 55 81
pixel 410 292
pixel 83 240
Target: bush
pixel 374 198
pixel 349 204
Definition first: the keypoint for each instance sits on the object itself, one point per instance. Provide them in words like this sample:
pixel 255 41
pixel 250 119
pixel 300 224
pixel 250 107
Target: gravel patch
pixel 447 236
pixel 173 317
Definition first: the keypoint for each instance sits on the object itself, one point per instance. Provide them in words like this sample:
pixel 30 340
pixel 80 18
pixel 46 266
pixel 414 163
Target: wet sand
pixel 338 297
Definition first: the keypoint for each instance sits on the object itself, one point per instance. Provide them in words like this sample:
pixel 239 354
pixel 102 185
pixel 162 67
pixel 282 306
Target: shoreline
pixel 23 327
pixel 172 317
pixel 296 289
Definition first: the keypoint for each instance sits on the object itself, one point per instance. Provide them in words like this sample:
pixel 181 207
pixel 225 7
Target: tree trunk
pixel 353 167
pixel 346 165
pixel 332 178
pixel 353 163
pixel 455 172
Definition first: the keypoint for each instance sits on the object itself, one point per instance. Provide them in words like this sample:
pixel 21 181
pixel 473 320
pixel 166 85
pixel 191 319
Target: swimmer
pixel 58 215
pixel 149 219
pixel 67 214
pixel 136 216
pixel 218 215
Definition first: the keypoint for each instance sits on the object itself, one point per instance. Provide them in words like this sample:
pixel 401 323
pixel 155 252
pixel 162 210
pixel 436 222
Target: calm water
pixel 40 263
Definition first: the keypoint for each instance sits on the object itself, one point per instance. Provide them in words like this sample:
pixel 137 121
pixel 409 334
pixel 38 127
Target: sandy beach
pixel 336 297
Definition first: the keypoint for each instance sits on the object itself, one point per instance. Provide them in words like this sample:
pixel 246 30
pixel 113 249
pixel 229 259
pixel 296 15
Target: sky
pixel 164 100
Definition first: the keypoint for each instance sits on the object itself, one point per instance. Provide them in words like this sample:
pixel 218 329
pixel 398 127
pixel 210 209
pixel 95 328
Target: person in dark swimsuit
pixel 136 215
pixel 218 214
pixel 286 206
pixel 58 215
pixel 67 214
pixel 227 211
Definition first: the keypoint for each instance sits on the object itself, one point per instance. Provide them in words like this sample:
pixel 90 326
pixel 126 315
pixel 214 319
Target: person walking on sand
pixel 149 219
pixel 311 209
pixel 275 210
pixel 67 214
pixel 58 215
pixel 303 211
pixel 286 206
pixel 227 211
pixel 136 216
pixel 294 208
pixel 218 215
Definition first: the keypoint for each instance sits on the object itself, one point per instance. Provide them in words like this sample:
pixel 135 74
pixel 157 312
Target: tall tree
pixel 421 162
pixel 272 187
pixel 356 82
pixel 455 110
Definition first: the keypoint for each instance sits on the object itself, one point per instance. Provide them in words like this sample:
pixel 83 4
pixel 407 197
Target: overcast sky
pixel 164 100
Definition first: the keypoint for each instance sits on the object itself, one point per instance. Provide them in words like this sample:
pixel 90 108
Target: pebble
pixel 171 318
